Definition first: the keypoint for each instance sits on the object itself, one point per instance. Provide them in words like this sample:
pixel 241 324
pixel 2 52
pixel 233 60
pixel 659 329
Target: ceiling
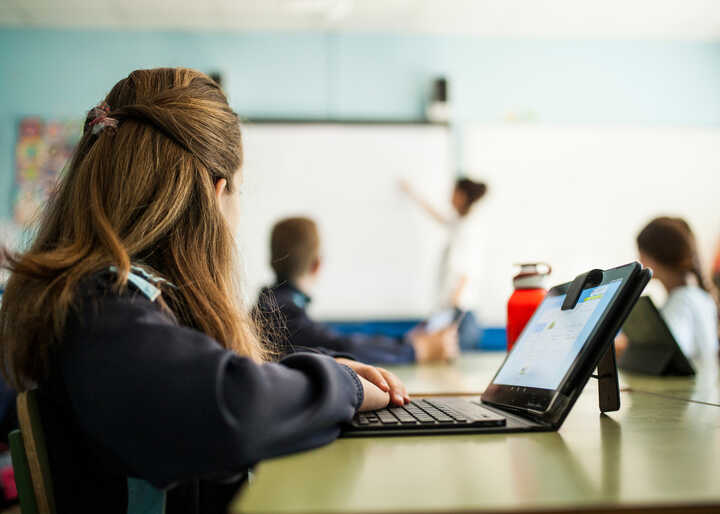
pixel 593 19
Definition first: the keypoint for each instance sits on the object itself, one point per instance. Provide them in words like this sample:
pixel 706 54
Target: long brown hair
pixel 141 193
pixel 671 242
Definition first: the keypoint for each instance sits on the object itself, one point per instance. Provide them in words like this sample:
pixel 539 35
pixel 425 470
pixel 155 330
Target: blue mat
pixel 493 338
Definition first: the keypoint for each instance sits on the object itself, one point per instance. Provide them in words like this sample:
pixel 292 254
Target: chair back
pixel 34 441
pixel 33 473
pixel 23 481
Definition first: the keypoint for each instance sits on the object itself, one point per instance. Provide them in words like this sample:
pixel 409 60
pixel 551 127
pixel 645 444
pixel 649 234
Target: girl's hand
pixel 373 398
pixel 381 378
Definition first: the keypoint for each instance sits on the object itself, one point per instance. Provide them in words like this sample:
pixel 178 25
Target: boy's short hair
pixel 294 246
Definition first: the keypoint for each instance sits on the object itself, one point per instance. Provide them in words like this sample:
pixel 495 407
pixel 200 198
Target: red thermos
pixel 529 293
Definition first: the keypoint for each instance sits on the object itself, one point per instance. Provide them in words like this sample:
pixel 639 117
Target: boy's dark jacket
pixel 284 307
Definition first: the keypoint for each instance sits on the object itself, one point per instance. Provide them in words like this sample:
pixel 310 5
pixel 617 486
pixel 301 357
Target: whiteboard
pixel 576 196
pixel 379 252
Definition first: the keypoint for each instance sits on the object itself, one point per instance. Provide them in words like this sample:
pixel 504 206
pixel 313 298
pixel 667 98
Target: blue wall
pixel 61 74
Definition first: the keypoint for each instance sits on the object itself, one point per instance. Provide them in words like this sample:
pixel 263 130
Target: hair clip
pixel 98 119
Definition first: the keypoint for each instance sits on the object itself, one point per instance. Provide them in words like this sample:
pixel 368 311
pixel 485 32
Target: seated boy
pixel 295 258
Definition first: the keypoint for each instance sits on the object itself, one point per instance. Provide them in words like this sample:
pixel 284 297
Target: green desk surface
pixel 656 451
pixel 704 387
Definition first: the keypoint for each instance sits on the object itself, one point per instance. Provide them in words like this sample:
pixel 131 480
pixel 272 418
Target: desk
pixel 704 387
pixel 655 451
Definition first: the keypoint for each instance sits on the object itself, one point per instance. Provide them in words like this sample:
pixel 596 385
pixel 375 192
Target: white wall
pixel 576 196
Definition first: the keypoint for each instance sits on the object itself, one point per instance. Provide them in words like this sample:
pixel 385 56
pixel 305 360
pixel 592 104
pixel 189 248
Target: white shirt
pixel 462 256
pixel 691 315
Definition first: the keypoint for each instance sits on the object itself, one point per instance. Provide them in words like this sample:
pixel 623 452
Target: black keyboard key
pixel 414 410
pixel 404 416
pixel 386 418
pixel 438 405
pixel 422 416
pixel 448 411
pixel 455 415
pixel 371 417
pixel 438 415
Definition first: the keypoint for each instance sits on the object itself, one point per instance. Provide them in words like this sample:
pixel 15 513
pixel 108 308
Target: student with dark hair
pixel 295 259
pixel 667 246
pixel 125 311
pixel 465 194
pixel 461 261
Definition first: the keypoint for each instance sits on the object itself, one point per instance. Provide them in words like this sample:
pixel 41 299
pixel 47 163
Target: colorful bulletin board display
pixel 43 148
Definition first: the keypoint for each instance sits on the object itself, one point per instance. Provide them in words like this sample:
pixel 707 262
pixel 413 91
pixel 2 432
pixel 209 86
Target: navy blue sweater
pixel 284 307
pixel 132 393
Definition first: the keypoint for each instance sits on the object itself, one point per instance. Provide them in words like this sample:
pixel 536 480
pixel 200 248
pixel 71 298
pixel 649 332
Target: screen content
pixel 553 339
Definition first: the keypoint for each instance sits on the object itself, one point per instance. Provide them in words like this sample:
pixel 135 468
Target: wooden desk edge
pixel 598 509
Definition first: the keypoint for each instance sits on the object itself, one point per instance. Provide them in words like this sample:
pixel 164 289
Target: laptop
pixel 653 349
pixel 571 333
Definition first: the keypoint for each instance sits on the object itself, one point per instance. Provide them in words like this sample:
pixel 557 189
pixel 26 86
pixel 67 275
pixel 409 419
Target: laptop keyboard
pixel 431 413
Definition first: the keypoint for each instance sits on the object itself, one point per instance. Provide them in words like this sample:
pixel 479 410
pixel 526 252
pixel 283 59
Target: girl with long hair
pixel 667 245
pixel 125 314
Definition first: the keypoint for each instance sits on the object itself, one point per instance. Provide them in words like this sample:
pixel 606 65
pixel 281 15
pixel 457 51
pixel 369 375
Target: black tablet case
pixel 652 349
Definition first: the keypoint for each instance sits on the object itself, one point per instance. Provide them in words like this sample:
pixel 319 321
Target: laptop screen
pixel 553 338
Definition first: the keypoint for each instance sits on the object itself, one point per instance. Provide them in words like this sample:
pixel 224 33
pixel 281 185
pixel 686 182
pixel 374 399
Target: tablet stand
pixel 608 384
